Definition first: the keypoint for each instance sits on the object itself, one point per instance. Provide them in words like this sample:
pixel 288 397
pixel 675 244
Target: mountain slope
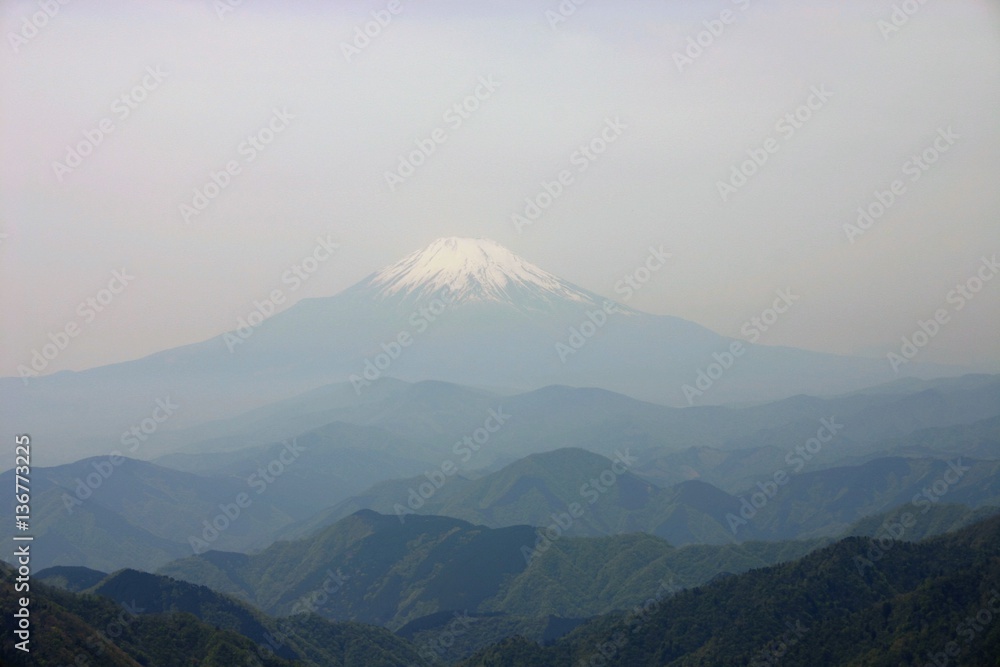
pixel 510 324
pixel 588 494
pixel 134 618
pixel 392 573
pixel 300 637
pixel 827 502
pixel 70 577
pixel 918 602
pixel 579 493
pixel 74 629
pixel 112 512
pixel 462 270
pixel 387 573
pixel 130 513
pixel 601 420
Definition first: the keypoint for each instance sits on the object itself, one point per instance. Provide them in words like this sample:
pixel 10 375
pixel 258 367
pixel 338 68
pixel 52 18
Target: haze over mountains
pixel 513 334
pixel 460 310
pixel 415 472
pixel 465 446
pixel 455 589
pixel 404 449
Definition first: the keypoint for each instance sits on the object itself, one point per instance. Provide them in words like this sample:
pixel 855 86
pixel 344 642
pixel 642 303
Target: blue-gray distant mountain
pixel 461 310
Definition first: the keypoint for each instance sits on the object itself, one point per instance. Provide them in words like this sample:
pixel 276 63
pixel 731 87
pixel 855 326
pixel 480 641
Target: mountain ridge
pixel 511 325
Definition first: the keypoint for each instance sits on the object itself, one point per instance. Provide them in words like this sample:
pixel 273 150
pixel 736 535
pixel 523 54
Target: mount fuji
pixel 474 271
pixel 466 311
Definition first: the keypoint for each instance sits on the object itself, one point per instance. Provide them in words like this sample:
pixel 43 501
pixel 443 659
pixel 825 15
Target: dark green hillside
pixel 913 603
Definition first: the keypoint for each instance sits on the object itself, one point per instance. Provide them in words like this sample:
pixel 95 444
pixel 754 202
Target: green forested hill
pixel 392 573
pixel 134 618
pixel 847 604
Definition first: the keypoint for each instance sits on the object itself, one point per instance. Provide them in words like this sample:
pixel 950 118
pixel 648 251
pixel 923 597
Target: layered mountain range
pixel 460 310
pixel 684 475
pixel 434 466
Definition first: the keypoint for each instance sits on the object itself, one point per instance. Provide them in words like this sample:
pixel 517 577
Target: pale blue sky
pixel 656 184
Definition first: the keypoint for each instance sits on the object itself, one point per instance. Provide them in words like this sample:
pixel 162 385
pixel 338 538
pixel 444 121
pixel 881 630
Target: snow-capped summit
pixel 474 270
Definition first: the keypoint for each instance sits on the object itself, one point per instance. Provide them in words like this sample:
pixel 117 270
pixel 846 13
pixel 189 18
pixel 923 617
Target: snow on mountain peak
pixel 474 270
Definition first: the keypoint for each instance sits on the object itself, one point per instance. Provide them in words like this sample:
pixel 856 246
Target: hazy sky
pixel 681 129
